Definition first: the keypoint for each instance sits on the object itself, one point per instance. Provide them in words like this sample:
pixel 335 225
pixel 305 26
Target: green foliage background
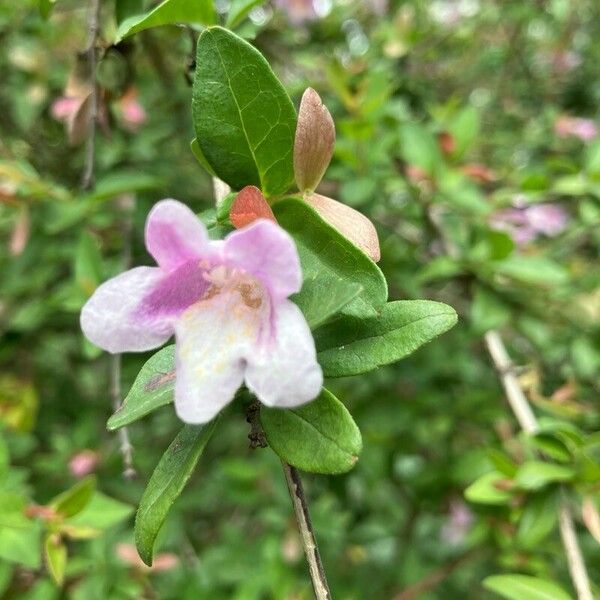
pixel 433 424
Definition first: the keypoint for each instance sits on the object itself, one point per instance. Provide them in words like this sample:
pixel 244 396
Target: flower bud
pixel 315 139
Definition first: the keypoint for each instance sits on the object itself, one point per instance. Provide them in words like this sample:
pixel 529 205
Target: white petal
pixel 110 320
pixel 213 338
pixel 285 372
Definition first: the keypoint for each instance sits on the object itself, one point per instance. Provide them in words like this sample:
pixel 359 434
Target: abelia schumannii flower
pixel 227 304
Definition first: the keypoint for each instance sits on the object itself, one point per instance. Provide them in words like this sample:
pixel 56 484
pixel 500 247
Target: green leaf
pixel 489 489
pixel 419 148
pixel 464 129
pixel 127 8
pixel 12 510
pixel 197 152
pixel 169 12
pixel 166 484
pixel 535 474
pixel 524 587
pixel 350 346
pixel 244 120
pixel 532 270
pixel 538 519
pixel 318 309
pixel 45 7
pixel 75 499
pixel 88 263
pixel 319 437
pixel 326 257
pixel 487 310
pixel 55 553
pixel 152 388
pixel 101 512
pixel 22 546
pixel 238 11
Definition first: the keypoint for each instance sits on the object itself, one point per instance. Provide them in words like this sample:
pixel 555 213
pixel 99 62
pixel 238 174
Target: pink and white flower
pixel 227 304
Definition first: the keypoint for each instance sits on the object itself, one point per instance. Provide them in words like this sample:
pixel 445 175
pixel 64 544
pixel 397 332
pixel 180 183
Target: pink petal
pixel 265 250
pixel 285 372
pixel 213 339
pixel 109 319
pixel 174 234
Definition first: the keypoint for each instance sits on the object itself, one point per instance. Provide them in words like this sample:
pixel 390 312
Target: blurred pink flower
pixel 83 463
pixel 458 524
pixel 162 562
pixel 298 11
pixel 64 108
pixel 525 223
pixel 132 112
pixel 583 129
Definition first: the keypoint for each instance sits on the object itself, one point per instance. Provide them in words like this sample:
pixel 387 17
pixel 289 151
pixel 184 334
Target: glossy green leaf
pixel 243 118
pixel 524 587
pixel 55 554
pixel 197 152
pixel 350 346
pixel 169 12
pixel 327 257
pixel 489 489
pixel 535 474
pixel 75 499
pixel 239 10
pixel 318 309
pixel 318 437
pixel 153 387
pixel 166 484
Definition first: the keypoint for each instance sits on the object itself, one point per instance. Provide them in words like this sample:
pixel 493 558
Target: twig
pixel 125 446
pixel 292 477
pixel 90 150
pixel 127 204
pixel 311 550
pixel 522 411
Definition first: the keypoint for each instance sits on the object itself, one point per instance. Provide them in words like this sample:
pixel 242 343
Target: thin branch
pixel 127 204
pixel 90 150
pixel 311 550
pixel 125 446
pixel 292 477
pixel 522 411
pixel 575 560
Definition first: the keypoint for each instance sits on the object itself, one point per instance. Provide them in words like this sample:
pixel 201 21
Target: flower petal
pixel 213 338
pixel 109 319
pixel 285 372
pixel 174 234
pixel 268 252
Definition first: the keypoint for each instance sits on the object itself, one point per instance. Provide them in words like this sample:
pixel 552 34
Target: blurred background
pixel 468 131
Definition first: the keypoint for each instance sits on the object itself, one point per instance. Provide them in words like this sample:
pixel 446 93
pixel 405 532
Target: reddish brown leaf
pixel 249 205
